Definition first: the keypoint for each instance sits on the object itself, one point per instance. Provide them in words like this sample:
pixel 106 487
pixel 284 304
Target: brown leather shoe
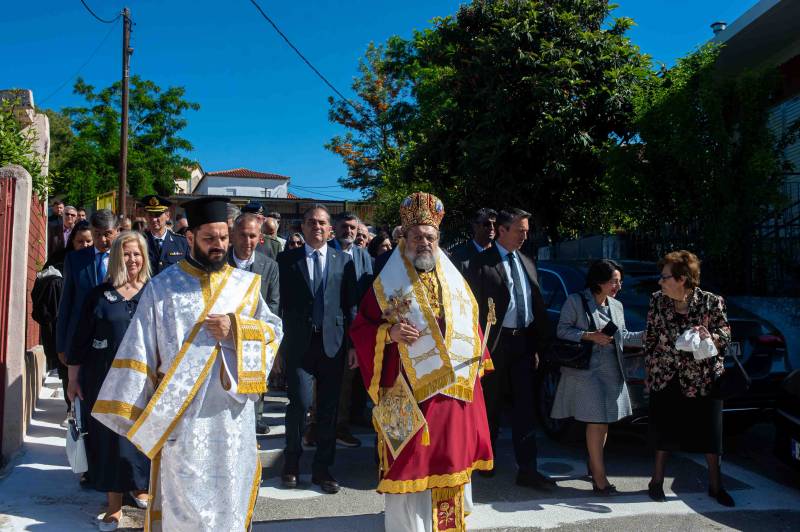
pixel 289 476
pixel 326 482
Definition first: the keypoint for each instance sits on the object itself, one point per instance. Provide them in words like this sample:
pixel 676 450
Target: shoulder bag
pixel 574 355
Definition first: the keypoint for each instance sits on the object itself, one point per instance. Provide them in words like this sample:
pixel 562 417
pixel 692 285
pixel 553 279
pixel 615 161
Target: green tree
pixel 17 147
pixel 515 103
pixel 90 164
pixel 704 165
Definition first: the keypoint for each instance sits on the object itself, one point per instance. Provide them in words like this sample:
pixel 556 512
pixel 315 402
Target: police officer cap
pixel 253 207
pixel 155 204
pixel 206 210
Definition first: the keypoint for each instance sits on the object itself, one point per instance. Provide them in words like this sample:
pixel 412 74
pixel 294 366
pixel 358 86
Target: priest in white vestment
pixel 181 388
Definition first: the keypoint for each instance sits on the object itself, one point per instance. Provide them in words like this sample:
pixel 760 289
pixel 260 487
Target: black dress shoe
pixel 535 480
pixel 655 490
pixel 610 489
pixel 722 496
pixel 326 482
pixel 489 473
pixel 289 476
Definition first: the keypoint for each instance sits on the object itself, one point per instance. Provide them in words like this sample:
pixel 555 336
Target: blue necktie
pixel 318 310
pixel 519 296
pixel 101 267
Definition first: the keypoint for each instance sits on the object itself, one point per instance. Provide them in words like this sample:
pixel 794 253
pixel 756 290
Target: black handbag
pixel 575 355
pixel 733 382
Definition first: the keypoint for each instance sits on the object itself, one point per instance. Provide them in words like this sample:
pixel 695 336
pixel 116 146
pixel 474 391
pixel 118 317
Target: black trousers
pixel 300 375
pixel 513 375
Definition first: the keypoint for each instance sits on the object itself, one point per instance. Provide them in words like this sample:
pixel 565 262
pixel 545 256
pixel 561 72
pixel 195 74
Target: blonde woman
pixel 115 465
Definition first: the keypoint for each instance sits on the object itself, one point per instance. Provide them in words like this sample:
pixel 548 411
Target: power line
pixel 311 66
pixel 304 190
pixel 89 9
pixel 110 31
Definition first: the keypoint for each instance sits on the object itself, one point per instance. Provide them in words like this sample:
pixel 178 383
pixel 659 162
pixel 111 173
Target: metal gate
pixel 7 187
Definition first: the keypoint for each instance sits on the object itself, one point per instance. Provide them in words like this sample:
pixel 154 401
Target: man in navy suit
pixel 347 224
pixel 318 303
pixel 483 233
pixel 164 247
pixel 83 270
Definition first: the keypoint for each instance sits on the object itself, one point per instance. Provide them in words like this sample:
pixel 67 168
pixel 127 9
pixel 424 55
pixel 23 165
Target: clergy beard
pixel 208 263
pixel 424 262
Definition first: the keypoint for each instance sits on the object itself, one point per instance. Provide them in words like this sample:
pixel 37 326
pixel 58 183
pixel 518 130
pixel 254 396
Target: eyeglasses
pixel 488 224
pixel 614 282
pixel 70 214
pixel 665 277
pixel 295 243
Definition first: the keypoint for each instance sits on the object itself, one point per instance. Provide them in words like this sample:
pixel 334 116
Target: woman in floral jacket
pixel 683 414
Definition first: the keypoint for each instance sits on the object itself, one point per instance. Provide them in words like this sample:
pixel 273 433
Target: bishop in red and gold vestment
pixel 421 355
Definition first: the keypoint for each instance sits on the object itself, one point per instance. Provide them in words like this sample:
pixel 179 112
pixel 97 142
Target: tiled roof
pixel 244 172
pixel 292 196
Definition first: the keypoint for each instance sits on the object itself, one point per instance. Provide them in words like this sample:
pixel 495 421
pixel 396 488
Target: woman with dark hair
pixel 597 395
pixel 380 244
pixel 684 416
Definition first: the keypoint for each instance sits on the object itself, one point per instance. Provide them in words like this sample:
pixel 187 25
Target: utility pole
pixel 123 137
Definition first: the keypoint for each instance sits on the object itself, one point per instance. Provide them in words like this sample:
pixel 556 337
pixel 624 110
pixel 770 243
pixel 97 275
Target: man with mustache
pixel 183 382
pixel 420 351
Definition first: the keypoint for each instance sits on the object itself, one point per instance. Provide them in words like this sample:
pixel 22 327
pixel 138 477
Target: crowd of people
pixel 153 325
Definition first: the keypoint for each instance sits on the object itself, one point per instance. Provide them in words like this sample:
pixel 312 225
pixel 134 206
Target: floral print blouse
pixel 664 325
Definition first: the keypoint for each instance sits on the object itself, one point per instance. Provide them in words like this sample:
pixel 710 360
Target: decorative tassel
pixel 426 435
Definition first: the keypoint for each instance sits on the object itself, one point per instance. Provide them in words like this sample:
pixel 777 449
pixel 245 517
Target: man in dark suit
pixel 164 247
pixel 244 255
pixel 58 231
pixel 521 332
pixel 318 303
pixel 56 212
pixel 483 232
pixel 347 224
pixel 83 270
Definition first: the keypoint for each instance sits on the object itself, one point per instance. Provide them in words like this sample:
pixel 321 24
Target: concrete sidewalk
pixel 38 490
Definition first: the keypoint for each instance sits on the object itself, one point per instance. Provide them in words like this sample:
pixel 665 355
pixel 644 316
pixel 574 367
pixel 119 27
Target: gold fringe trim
pixel 426 435
pixel 117 408
pixel 443 377
pixel 460 391
pixel 433 481
pixel 377 360
pixel 448 509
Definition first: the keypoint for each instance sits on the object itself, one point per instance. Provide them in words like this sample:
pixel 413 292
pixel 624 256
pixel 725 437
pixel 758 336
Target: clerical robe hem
pixel 448 480
pixel 253 493
pixel 117 408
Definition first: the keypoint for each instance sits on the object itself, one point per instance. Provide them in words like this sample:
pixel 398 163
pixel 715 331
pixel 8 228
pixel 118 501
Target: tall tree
pixel 514 103
pixel 156 149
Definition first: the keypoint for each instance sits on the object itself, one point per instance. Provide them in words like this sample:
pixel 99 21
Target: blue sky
pixel 261 107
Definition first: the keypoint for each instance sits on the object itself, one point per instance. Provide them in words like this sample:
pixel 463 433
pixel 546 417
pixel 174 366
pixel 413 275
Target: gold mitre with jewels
pixel 421 208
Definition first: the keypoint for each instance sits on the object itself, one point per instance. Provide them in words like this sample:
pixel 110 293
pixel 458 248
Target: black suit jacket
pixel 462 254
pixel 55 237
pixel 268 270
pixel 487 278
pixel 80 276
pixel 297 301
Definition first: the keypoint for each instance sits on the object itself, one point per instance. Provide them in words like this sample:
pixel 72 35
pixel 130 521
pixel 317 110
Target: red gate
pixel 7 187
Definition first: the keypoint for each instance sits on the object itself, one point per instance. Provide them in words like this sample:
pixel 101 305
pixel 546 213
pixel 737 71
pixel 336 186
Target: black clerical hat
pixel 155 204
pixel 206 210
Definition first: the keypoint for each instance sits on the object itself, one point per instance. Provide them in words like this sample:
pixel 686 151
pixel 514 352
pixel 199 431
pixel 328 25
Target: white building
pixel 241 182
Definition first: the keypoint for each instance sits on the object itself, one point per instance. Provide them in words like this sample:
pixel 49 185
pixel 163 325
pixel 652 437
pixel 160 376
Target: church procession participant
pixel 420 350
pixel 181 388
pixel 164 247
pixel 244 255
pixel 484 223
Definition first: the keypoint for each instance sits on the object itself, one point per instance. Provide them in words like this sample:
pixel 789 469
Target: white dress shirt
pixel 243 264
pixel 323 251
pixel 510 319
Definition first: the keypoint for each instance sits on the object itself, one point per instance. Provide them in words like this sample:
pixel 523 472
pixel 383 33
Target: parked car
pixel 787 421
pixel 758 345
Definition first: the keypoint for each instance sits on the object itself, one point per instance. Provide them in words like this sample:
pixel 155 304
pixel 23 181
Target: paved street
pixel 40 493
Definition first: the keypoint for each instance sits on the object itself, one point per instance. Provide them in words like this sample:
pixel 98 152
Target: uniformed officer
pixel 163 246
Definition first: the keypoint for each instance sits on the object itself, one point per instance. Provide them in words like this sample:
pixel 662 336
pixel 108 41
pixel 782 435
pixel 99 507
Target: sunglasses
pixel 488 224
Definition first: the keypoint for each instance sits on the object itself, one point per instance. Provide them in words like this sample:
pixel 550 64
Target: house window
pixel 230 191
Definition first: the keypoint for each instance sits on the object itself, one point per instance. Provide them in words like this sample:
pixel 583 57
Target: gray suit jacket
pixel 573 322
pixel 268 270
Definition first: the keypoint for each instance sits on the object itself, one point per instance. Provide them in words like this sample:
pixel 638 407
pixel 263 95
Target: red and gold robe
pixel 458 430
